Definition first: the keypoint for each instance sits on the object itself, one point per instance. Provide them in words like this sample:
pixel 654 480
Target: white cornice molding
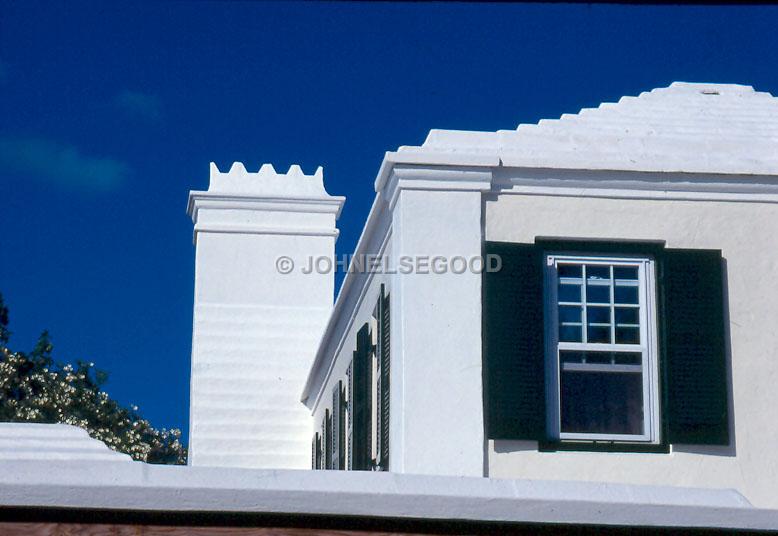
pixel 439 173
pixel 222 201
pixel 449 178
pixel 617 184
pixel 636 185
pixel 398 160
pixel 261 229
pixel 226 203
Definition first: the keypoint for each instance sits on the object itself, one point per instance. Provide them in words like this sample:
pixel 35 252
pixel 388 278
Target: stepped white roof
pixel 686 127
pixel 34 441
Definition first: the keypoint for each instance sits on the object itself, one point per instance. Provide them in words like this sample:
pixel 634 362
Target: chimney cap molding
pixel 265 189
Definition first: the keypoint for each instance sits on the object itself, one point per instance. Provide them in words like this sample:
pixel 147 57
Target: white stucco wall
pixel 437 336
pixel 746 234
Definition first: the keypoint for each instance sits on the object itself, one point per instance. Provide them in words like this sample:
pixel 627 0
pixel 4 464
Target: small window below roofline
pixel 602 370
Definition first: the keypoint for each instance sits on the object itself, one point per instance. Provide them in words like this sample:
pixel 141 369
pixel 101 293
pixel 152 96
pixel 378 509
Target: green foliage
pixel 33 388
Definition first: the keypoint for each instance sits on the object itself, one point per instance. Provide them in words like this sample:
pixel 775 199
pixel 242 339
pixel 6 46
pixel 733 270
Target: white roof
pixel 37 441
pixel 686 127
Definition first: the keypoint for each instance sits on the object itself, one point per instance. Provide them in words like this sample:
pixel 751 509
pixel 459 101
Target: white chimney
pixel 256 329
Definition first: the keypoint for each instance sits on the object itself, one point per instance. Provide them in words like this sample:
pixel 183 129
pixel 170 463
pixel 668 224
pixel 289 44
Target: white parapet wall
pixel 137 488
pixel 257 328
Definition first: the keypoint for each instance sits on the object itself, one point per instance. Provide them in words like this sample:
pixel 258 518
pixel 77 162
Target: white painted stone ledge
pixel 139 486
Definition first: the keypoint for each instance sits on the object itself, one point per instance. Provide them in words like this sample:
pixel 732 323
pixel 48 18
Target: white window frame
pixel 647 347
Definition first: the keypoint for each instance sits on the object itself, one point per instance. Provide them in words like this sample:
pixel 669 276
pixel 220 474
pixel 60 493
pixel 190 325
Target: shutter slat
pixel 694 336
pixel 513 349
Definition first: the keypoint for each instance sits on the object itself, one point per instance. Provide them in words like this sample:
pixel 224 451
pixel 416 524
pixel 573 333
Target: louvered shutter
pixel 327 439
pixel 361 373
pixel 350 415
pixel 323 442
pixel 513 350
pixel 384 352
pixel 336 428
pixel 694 338
pixel 317 453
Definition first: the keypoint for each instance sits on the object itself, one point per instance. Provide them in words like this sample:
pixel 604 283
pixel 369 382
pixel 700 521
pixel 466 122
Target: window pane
pixel 570 293
pixel 627 335
pixel 626 294
pixel 627 315
pixel 570 333
pixel 598 334
pixel 598 315
pixel 569 270
pixel 597 293
pixel 594 271
pixel 627 358
pixel 568 314
pixel 599 358
pixel 601 403
pixel 625 272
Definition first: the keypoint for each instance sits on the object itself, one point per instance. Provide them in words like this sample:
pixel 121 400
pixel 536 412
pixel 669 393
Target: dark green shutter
pixel 514 361
pixel 328 440
pixel 694 340
pixel 350 415
pixel 361 372
pixel 323 443
pixel 336 427
pixel 318 451
pixel 338 424
pixel 384 339
pixel 313 451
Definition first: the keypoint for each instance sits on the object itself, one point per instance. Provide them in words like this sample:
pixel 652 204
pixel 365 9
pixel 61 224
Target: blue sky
pixel 110 113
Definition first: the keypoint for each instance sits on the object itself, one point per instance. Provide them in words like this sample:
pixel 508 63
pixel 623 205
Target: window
pixel 571 345
pixel 601 363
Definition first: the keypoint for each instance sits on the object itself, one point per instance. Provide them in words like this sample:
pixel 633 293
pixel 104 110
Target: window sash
pixel 646 346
